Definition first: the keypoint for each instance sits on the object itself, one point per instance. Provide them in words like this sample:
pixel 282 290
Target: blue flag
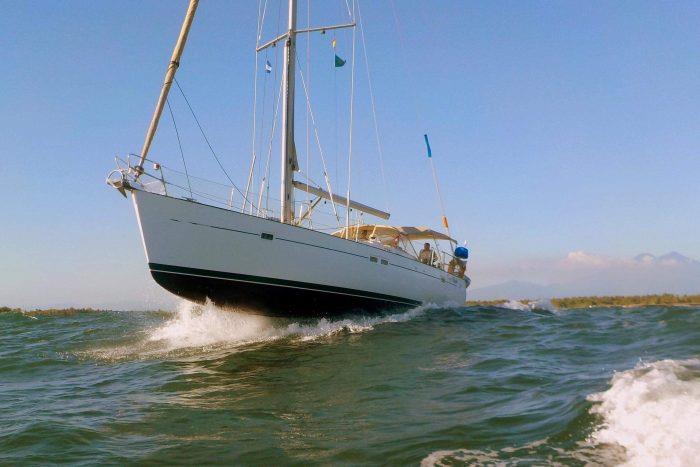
pixel 268 66
pixel 427 144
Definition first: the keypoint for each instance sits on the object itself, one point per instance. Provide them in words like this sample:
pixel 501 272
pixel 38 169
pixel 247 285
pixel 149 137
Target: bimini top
pixel 364 232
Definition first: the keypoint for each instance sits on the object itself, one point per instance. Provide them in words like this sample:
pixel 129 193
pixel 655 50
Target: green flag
pixel 339 62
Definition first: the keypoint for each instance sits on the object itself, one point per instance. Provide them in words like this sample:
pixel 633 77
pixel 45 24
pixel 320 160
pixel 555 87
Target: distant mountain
pixel 675 258
pixel 644 274
pixel 670 259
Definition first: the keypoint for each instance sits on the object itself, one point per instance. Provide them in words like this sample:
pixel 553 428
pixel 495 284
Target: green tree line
pixel 607 300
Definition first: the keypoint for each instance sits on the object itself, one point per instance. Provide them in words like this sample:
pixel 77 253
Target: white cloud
pixel 581 258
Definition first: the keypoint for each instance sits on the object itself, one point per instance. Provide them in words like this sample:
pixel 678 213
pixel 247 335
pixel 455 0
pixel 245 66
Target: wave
pixel 652 411
pixel 540 452
pixel 648 416
pixel 461 456
pixel 529 305
pixel 202 325
pixel 528 454
pixel 195 327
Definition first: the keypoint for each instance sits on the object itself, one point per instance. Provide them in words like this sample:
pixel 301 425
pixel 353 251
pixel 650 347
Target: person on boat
pixel 457 267
pixel 426 254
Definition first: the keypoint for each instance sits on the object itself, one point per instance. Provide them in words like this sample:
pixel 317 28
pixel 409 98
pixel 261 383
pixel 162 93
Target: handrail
pixel 162 175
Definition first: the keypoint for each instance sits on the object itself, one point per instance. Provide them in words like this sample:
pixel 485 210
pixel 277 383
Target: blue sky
pixel 555 127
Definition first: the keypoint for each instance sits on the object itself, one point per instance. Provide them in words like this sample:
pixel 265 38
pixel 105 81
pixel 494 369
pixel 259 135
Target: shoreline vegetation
pixel 62 311
pixel 562 303
pixel 605 301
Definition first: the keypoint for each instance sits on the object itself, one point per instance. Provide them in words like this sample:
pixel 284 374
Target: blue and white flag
pixel 268 66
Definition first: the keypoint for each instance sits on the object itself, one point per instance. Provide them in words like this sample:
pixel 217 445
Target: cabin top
pixel 390 232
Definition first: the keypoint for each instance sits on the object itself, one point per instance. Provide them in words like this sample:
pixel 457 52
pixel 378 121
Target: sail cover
pixel 409 233
pixel 340 200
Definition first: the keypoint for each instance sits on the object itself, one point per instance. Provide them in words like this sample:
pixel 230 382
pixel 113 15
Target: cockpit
pixel 423 244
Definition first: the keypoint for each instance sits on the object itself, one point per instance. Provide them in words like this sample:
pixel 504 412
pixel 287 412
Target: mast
pixel 289 153
pixel 289 157
pixel 167 82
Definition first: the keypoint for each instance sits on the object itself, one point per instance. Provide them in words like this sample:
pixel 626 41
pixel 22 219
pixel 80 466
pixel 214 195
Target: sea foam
pixel 204 325
pixel 522 305
pixel 195 330
pixel 653 411
pixel 200 325
pixel 649 416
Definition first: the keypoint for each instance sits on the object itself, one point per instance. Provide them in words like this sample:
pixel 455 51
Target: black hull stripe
pixel 278 282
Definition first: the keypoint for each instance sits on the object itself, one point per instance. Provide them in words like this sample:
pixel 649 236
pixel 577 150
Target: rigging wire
pixel 193 177
pixel 308 74
pixel 200 194
pixel 418 120
pixel 261 20
pixel 262 117
pixel 207 140
pixel 437 187
pixel 179 143
pixel 404 59
pixel 262 123
pixel 266 174
pixel 318 141
pixel 261 176
pixel 262 120
pixel 335 106
pixel 335 120
pixel 350 13
pixel 352 102
pixel 255 104
pixel 219 199
pixel 374 111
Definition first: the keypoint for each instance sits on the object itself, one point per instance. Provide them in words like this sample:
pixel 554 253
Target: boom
pixel 340 200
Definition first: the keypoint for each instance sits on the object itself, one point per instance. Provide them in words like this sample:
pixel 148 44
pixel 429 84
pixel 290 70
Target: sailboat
pixel 280 264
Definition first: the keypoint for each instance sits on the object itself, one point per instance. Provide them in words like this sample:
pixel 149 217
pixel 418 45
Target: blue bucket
pixel 461 252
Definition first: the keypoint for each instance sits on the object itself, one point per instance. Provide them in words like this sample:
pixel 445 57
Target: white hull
pixel 199 251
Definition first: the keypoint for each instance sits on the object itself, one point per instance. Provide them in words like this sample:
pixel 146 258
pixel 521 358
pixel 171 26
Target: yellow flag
pixel 333 43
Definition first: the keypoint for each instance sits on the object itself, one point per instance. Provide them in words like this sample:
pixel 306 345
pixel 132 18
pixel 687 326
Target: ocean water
pixel 512 385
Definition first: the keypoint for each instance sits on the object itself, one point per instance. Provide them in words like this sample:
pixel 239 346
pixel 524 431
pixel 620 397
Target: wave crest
pixel 194 328
pixel 202 325
pixel 529 305
pixel 652 411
